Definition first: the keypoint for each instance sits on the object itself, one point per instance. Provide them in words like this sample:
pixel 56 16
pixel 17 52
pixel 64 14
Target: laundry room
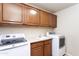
pixel 39 29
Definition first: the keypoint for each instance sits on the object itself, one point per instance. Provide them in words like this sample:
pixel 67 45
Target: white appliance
pixel 14 45
pixel 58 44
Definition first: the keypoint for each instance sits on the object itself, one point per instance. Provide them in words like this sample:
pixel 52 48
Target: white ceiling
pixel 53 7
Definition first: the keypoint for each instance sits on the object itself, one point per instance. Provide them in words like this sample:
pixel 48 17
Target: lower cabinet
pixel 47 50
pixel 38 51
pixel 42 48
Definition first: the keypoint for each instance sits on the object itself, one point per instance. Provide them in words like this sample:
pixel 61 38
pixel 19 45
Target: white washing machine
pixel 14 45
pixel 20 49
pixel 58 44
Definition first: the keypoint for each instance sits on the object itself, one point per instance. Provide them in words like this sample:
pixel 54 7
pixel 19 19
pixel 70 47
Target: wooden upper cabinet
pixel 0 12
pixel 44 18
pixel 52 20
pixel 31 16
pixel 23 14
pixel 12 13
pixel 47 19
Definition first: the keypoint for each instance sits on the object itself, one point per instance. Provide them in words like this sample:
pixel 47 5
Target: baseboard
pixel 68 54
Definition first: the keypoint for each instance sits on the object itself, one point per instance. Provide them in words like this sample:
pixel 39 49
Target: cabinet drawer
pixel 48 41
pixel 36 44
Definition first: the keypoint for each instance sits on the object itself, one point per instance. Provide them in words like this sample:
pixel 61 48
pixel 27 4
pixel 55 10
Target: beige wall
pixel 68 24
pixel 30 32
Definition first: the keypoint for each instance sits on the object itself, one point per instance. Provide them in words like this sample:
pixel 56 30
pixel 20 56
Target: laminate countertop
pixel 39 39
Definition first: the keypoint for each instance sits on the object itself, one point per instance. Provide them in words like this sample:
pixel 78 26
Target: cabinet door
pixel 31 16
pixel 44 18
pixel 0 12
pixel 38 51
pixel 47 50
pixel 48 47
pixel 53 20
pixel 12 13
